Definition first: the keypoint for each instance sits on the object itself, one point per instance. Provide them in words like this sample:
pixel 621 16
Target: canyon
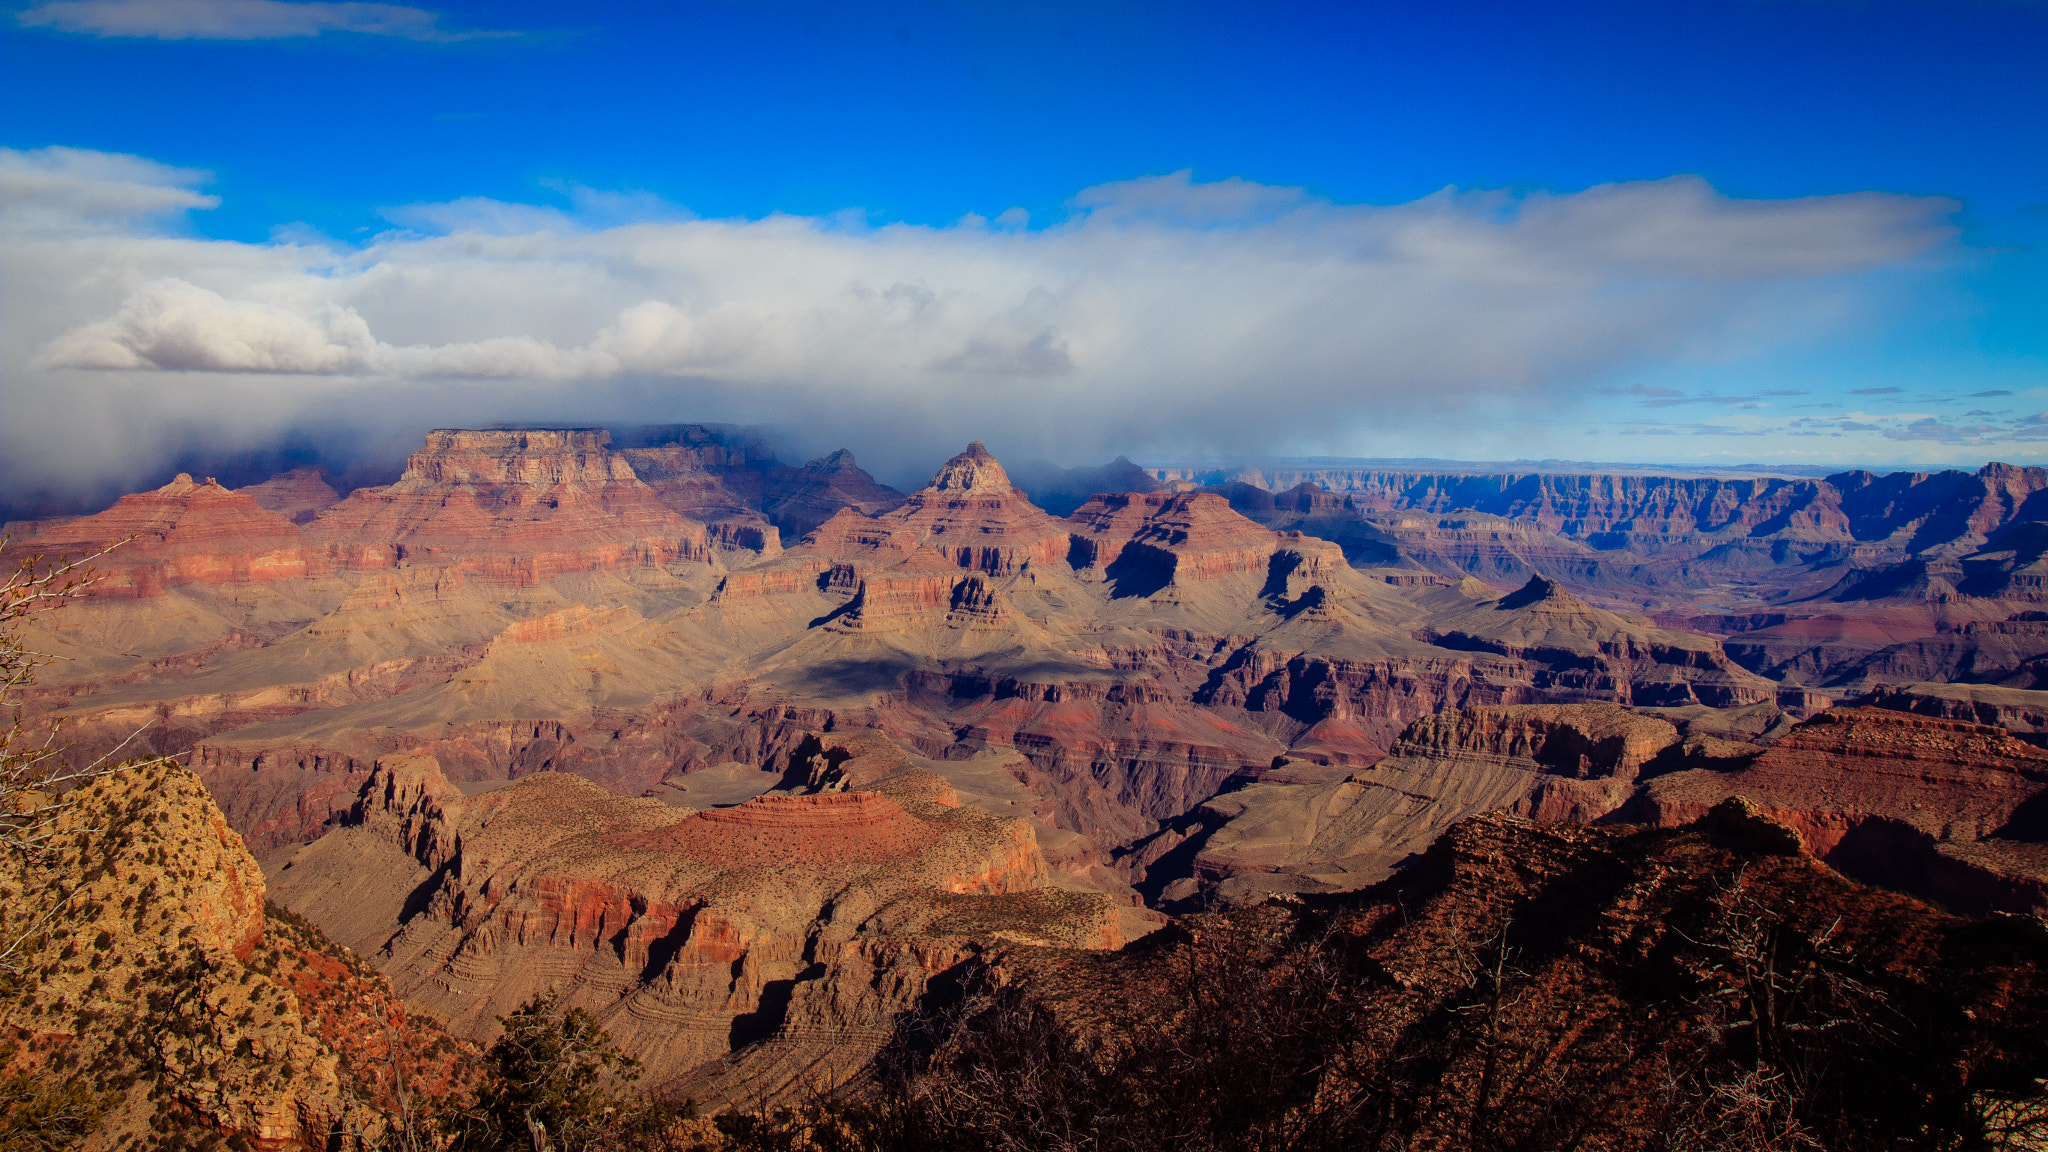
pixel 752 760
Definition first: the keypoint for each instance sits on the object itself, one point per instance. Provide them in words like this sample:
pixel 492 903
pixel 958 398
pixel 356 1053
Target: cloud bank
pixel 1165 314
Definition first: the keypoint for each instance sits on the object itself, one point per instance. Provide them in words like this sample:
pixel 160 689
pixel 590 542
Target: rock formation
pixel 169 994
pixel 1136 656
pixel 513 507
pixel 1954 811
pixel 300 494
pixel 1951 811
pixel 185 532
pixel 1598 651
pixel 551 710
pixel 1302 830
pixel 734 951
pixel 1536 986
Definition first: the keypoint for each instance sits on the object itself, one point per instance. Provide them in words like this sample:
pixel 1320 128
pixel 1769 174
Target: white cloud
pixel 176 326
pixel 239 19
pixel 69 190
pixel 1166 314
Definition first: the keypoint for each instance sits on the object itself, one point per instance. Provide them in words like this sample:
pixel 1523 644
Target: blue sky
pixel 335 137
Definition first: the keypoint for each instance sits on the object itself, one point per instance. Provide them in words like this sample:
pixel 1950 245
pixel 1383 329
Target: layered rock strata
pixel 1301 829
pixel 1954 811
pixel 1949 810
pixel 733 951
pixel 1135 658
pixel 515 507
pixel 1538 986
pixel 185 532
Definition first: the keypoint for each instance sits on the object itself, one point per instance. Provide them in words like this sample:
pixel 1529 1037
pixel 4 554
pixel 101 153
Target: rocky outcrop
pixel 185 532
pixel 1594 651
pixel 1953 811
pixel 513 507
pixel 1138 656
pixel 746 945
pixel 1301 829
pixel 2022 712
pixel 1911 510
pixel 970 514
pixel 1534 986
pixel 798 500
pixel 1143 542
pixel 298 495
pixel 1950 811
pixel 159 981
pixel 729 479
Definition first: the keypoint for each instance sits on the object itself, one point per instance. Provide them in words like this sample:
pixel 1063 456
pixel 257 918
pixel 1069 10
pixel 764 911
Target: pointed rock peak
pixel 1541 590
pixel 839 461
pixel 973 470
pixel 182 483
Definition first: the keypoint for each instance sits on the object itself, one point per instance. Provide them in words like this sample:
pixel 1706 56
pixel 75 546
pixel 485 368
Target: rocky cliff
pixel 735 951
pixel 1951 811
pixel 1532 986
pixel 513 507
pixel 185 532
pixel 155 981
pixel 1135 657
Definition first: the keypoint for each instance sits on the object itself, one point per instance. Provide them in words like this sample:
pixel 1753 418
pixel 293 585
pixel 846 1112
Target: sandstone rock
pixel 299 495
pixel 744 945
pixel 1946 809
pixel 970 514
pixel 1143 542
pixel 2022 712
pixel 1598 652
pixel 1542 983
pixel 163 982
pixel 185 532
pixel 800 499
pixel 1130 661
pixel 512 507
pixel 1573 762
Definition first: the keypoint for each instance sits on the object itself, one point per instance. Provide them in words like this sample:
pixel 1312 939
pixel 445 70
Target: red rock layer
pixel 1196 534
pixel 832 828
pixel 713 940
pixel 800 499
pixel 970 514
pixel 183 533
pixel 510 506
pixel 1945 808
pixel 300 494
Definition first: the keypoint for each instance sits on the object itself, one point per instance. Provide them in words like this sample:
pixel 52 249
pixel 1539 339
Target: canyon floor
pixel 752 761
